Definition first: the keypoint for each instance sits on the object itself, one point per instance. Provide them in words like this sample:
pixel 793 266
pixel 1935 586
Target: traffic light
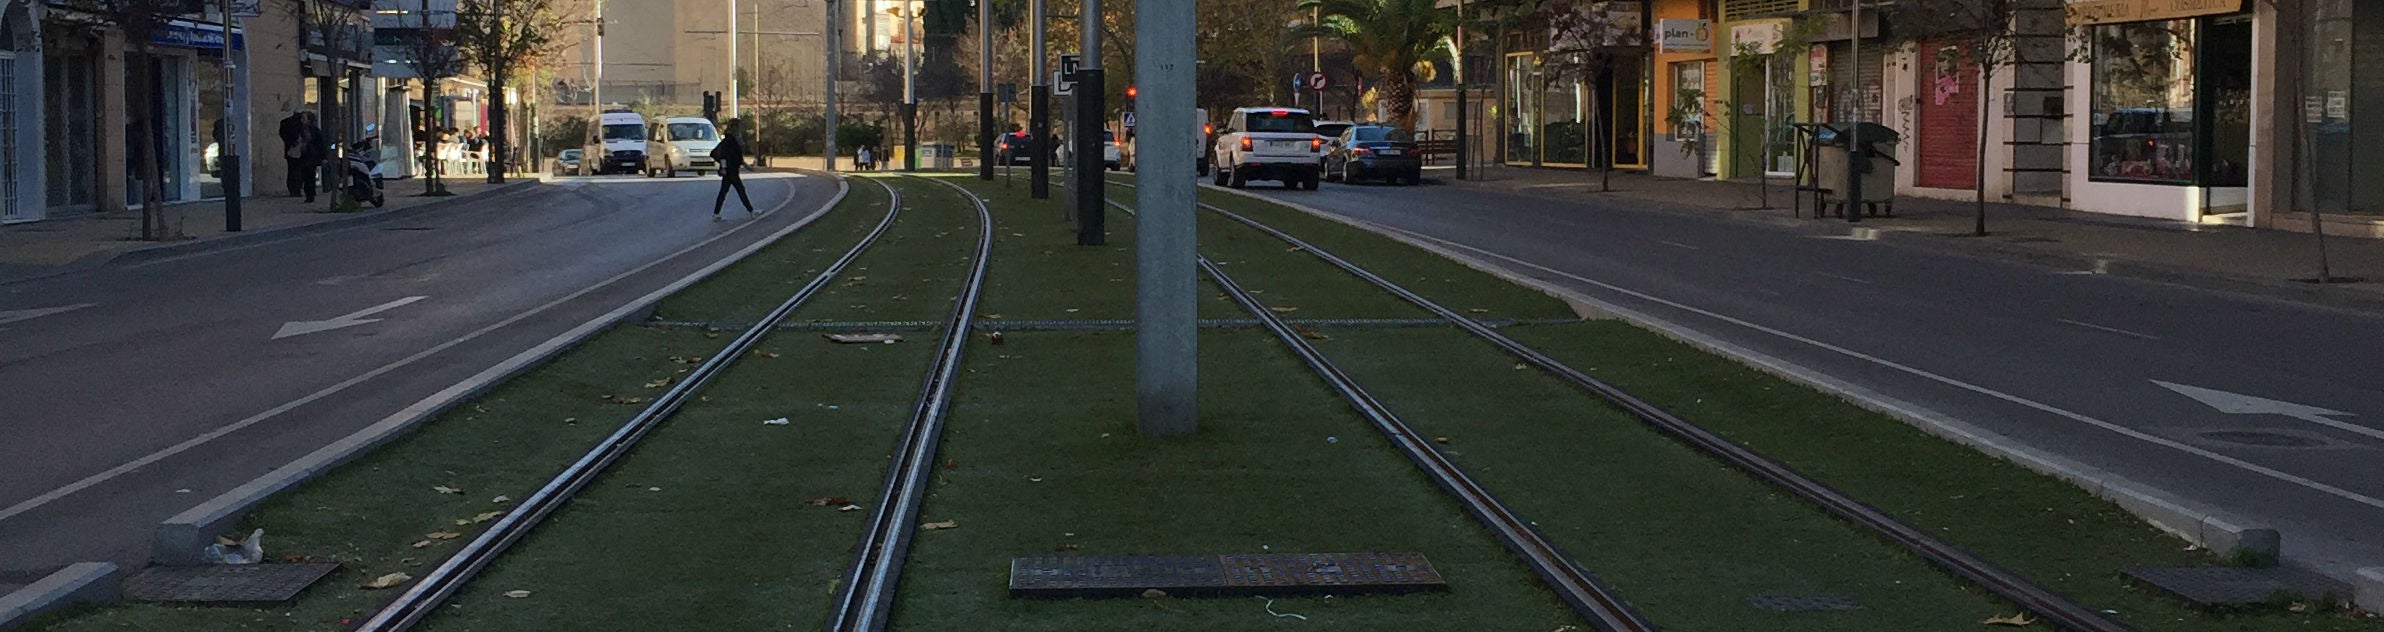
pixel 1132 92
pixel 712 106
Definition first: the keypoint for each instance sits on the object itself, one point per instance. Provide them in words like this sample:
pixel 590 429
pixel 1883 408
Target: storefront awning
pixel 2085 12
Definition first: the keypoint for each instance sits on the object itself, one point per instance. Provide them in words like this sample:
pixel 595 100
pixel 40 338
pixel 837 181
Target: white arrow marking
pixel 2240 404
pixel 304 327
pixel 30 314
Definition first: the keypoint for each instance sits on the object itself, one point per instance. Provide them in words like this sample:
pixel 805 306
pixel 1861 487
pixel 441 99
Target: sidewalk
pixel 2270 262
pixel 46 248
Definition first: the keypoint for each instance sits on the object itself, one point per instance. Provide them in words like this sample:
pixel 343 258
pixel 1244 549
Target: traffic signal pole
pixel 1091 118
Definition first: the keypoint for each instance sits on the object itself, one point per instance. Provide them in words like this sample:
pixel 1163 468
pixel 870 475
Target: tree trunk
pixel 498 137
pixel 142 96
pixel 1399 87
pixel 1986 77
pixel 431 184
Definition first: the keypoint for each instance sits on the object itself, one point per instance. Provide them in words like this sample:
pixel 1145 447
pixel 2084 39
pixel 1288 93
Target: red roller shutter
pixel 1948 130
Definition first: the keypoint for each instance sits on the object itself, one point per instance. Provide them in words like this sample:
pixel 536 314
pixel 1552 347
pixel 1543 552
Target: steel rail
pixel 2050 606
pixel 1591 598
pixel 424 595
pixel 865 597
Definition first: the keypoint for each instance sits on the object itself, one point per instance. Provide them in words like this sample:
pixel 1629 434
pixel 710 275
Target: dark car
pixel 1374 151
pixel 1011 148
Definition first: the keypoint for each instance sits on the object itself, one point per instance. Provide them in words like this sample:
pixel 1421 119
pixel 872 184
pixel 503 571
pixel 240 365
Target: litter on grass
pixel 249 550
pixel 938 526
pixel 518 594
pixel 856 339
pixel 1270 608
pixel 387 581
pixel 781 421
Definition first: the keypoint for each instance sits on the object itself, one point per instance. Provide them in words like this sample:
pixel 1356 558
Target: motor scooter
pixel 364 178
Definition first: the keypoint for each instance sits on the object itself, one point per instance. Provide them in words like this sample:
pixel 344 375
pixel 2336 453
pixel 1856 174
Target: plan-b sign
pixel 2114 11
pixel 1684 36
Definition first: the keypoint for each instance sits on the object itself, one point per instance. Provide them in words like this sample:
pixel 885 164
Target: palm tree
pixel 1387 38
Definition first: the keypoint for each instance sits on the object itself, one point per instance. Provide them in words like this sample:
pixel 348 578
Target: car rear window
pixel 1285 122
pixel 1391 134
pixel 692 131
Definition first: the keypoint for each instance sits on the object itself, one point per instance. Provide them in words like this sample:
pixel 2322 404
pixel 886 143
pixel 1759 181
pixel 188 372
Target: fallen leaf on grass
pixel 1066 546
pixel 1154 593
pixel 711 335
pixel 1294 249
pixel 479 519
pixel 443 489
pixel 423 544
pixel 824 501
pixel 767 354
pixel 849 508
pixel 1311 334
pixel 443 535
pixel 2020 620
pixel 659 383
pixel 630 400
pixel 387 581
pixel 1283 310
pixel 501 499
pixel 1478 310
pixel 938 526
pixel 518 594
pixel 1440 440
pixel 855 339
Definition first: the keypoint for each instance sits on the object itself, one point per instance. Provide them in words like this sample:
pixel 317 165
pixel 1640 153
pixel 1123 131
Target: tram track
pixel 2053 608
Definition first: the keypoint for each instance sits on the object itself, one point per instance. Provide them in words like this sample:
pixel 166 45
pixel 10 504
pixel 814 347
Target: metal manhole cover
pixel 1085 576
pixel 1803 603
pixel 252 583
pixel 2235 585
pixel 2262 439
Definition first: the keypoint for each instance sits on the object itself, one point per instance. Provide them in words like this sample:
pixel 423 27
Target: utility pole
pixel 985 132
pixel 596 87
pixel 1462 137
pixel 1315 56
pixel 833 41
pixel 1038 113
pixel 1092 118
pixel 1166 283
pixel 732 58
pixel 910 90
pixel 1856 158
pixel 226 149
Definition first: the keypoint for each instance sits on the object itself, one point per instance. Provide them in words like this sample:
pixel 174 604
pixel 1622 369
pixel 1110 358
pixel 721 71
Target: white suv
pixel 1270 144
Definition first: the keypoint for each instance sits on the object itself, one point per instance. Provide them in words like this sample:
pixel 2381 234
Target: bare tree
pixel 1986 33
pixel 338 31
pixel 1585 38
pixel 506 38
pixel 431 54
pixel 139 21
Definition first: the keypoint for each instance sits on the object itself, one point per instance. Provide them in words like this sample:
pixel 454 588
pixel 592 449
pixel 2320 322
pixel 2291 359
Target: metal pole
pixel 910 89
pixel 1038 112
pixel 833 41
pixel 1856 158
pixel 732 58
pixel 1462 137
pixel 1166 336
pixel 985 133
pixel 868 29
pixel 596 89
pixel 1092 117
pixel 226 151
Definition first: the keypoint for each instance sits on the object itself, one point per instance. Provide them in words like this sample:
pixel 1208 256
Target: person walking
pixel 861 158
pixel 302 149
pixel 730 155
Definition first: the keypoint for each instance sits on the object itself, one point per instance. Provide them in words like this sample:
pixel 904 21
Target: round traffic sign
pixel 1316 81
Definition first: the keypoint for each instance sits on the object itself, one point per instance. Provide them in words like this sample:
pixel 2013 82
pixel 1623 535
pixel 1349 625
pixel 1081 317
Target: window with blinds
pixel 1743 9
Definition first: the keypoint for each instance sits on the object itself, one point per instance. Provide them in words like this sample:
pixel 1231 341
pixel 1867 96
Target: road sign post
pixel 1317 82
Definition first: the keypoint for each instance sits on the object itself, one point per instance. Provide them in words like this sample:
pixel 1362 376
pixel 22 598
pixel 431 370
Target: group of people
pixel 868 158
pixel 304 148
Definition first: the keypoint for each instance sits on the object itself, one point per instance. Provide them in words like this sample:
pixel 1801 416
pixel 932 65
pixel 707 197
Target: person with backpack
pixel 730 155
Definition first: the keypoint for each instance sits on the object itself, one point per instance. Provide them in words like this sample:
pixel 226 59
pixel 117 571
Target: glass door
pixel 10 209
pixel 172 105
pixel 70 129
pixel 1628 114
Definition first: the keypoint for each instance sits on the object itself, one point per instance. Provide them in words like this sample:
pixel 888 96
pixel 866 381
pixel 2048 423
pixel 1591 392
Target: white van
pixel 681 143
pixel 616 144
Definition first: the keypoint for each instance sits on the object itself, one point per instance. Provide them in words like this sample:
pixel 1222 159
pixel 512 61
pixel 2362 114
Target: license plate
pixel 1285 144
pixel 1391 152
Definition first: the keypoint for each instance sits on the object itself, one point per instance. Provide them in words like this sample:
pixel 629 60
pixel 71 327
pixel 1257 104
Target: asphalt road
pixel 2064 361
pixel 133 392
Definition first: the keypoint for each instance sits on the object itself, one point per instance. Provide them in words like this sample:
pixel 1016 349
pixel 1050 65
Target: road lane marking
pixel 211 435
pixel 343 321
pixel 2241 404
pixel 1842 277
pixel 2115 330
pixel 1676 244
pixel 22 315
pixel 2248 466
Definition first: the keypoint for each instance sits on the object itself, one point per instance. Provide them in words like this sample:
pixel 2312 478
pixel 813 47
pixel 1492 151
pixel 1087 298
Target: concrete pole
pixel 910 88
pixel 732 59
pixel 1166 336
pixel 1038 115
pixel 833 41
pixel 1091 118
pixel 226 147
pixel 985 131
pixel 1855 156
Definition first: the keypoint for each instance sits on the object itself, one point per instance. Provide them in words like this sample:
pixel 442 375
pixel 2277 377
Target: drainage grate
pixel 2209 586
pixel 252 583
pixel 2262 439
pixel 1803 603
pixel 1068 577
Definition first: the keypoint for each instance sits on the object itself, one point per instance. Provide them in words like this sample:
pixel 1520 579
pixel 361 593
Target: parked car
pixel 1331 131
pixel 616 144
pixel 1111 155
pixel 1269 143
pixel 1374 151
pixel 567 163
pixel 1012 149
pixel 681 143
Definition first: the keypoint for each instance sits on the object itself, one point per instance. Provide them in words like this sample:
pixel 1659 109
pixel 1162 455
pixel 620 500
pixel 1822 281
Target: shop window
pixel 1688 102
pixel 2143 103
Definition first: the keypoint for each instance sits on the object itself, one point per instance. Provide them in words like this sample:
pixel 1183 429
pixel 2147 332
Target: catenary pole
pixel 985 131
pixel 832 39
pixel 1166 377
pixel 1038 115
pixel 910 89
pixel 1091 118
pixel 227 146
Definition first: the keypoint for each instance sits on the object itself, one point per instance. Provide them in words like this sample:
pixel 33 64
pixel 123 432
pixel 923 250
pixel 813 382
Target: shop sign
pixel 2082 12
pixel 1758 37
pixel 187 34
pixel 1820 70
pixel 1684 36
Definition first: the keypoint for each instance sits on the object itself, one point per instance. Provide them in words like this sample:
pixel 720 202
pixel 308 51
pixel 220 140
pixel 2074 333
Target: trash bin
pixel 937 155
pixel 1879 143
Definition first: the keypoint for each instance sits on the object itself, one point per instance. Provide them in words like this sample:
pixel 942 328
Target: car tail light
pixel 1315 145
pixel 1360 151
pixel 1245 143
pixel 1208 128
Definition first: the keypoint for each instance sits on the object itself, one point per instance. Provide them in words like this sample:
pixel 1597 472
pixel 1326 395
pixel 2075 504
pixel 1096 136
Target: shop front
pixel 2169 105
pixel 186 62
pixel 2345 45
pixel 20 91
pixel 1569 106
pixel 1683 92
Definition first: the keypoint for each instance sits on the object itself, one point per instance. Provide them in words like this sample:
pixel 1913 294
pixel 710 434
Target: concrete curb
pixel 2225 534
pixel 2258 287
pixel 2367 589
pixel 252 237
pixel 180 540
pixel 87 582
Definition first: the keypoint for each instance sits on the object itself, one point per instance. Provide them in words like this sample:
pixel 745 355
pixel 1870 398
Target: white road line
pixel 211 435
pixel 2015 399
pixel 2115 330
pixel 1676 244
pixel 1842 277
